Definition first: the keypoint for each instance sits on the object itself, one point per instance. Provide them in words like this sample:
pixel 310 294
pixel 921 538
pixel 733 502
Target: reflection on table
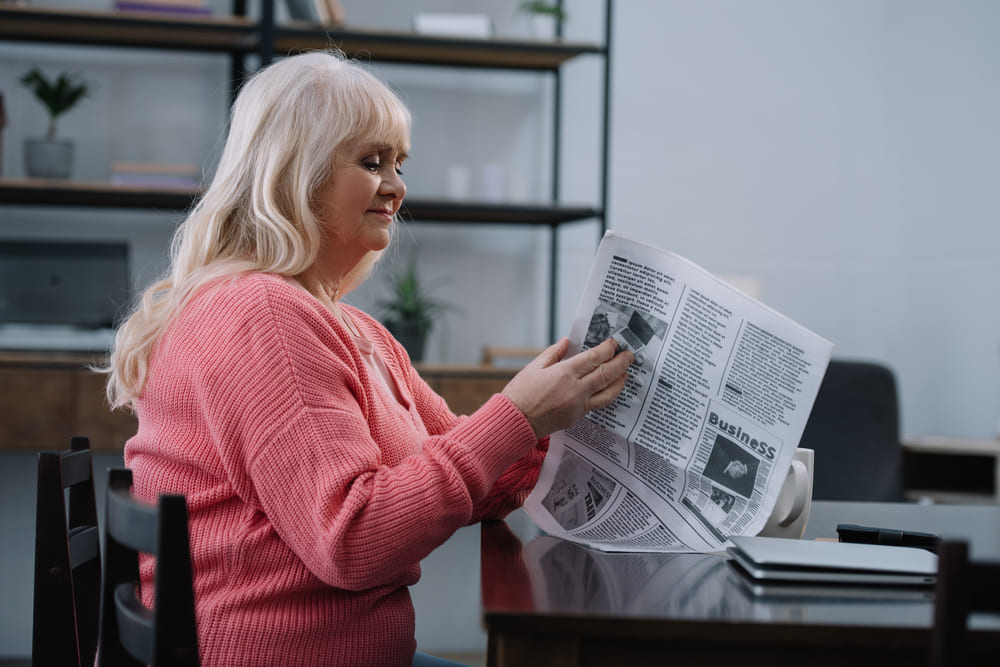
pixel 551 602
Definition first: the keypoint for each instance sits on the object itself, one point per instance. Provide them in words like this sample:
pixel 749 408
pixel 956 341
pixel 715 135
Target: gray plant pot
pixel 48 158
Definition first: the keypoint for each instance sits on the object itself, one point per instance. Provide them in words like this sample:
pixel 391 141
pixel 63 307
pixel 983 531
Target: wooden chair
pixel 497 355
pixel 963 586
pixel 130 632
pixel 67 559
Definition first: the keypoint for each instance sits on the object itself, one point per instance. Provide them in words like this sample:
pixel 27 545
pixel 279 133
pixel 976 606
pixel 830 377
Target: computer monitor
pixel 84 284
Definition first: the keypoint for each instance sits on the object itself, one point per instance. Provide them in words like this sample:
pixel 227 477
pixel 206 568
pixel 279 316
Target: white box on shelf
pixel 453 24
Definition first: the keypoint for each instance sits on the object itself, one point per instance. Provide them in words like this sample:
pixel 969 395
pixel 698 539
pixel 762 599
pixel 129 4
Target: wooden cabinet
pixel 45 399
pixel 466 388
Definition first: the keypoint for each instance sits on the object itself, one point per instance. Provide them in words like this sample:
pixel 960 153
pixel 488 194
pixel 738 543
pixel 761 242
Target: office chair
pixel 854 429
pixel 963 586
pixel 130 632
pixel 67 559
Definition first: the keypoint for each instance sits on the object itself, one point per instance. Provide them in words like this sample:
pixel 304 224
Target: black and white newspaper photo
pixel 697 446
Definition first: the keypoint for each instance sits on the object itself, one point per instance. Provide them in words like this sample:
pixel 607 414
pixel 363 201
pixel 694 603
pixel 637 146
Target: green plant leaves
pixel 58 95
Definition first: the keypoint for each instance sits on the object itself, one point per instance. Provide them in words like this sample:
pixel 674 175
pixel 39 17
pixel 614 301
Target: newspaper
pixel 697 446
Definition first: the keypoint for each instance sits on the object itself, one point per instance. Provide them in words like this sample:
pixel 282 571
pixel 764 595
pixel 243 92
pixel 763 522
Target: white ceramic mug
pixel 791 510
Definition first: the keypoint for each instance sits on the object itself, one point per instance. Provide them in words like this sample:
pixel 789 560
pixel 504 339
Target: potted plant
pixel 545 16
pixel 410 312
pixel 51 157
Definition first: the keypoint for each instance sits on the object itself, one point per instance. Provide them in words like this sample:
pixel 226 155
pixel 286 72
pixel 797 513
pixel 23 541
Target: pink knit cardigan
pixel 313 494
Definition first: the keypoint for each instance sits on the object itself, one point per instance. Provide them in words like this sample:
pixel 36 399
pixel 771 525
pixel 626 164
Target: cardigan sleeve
pixel 290 414
pixel 514 485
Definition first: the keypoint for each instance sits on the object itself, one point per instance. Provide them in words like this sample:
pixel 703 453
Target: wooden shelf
pixel 240 34
pixel 46 192
pixel 431 50
pixel 428 210
pixel 129 29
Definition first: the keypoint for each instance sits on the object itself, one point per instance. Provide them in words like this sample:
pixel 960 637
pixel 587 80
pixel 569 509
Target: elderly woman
pixel 319 469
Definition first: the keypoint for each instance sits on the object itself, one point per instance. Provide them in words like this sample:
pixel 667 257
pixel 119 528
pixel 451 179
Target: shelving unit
pixel 240 36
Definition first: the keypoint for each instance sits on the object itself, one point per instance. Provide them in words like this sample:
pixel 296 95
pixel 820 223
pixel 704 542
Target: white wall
pixel 842 152
pixel 846 153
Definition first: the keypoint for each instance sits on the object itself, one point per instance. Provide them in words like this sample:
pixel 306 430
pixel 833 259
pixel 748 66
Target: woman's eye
pixel 399 170
pixel 371 165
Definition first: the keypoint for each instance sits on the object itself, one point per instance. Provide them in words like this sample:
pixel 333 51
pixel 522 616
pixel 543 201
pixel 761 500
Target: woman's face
pixel 358 203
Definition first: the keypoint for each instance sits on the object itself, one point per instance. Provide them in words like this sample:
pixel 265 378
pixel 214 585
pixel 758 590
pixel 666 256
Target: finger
pixel 607 394
pixel 613 367
pixel 619 363
pixel 612 374
pixel 600 371
pixel 552 354
pixel 585 363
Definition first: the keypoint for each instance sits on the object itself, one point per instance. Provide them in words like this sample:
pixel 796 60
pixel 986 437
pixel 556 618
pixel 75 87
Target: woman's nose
pixel 393 186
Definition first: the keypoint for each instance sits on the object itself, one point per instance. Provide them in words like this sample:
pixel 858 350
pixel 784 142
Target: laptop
pixel 774 559
pixel 636 334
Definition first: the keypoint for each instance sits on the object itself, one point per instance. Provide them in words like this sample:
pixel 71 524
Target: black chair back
pixel 67 559
pixel 854 429
pixel 131 633
pixel 963 586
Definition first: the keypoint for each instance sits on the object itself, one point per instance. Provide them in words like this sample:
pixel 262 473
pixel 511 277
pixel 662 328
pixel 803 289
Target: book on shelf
pixel 155 175
pixel 180 7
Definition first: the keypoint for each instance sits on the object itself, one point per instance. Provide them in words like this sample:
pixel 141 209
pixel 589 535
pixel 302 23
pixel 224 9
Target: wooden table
pixel 551 602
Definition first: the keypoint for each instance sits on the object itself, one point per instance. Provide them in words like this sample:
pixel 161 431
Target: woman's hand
pixel 553 392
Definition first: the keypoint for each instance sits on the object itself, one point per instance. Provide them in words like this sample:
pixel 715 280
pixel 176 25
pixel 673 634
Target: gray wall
pixel 846 154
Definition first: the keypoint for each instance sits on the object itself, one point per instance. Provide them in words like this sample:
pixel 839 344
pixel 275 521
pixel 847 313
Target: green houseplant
pixel 545 16
pixel 409 313
pixel 51 157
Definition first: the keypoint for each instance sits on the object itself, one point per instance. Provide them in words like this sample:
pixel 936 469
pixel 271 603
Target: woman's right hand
pixel 554 392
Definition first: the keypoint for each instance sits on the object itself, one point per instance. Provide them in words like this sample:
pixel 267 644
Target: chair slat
pixel 84 545
pixel 135 623
pixel 75 468
pixel 130 522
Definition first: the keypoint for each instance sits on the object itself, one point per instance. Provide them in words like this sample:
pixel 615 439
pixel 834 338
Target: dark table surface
pixel 536 583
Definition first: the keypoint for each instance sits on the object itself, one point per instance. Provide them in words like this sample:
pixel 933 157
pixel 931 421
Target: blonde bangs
pixel 377 115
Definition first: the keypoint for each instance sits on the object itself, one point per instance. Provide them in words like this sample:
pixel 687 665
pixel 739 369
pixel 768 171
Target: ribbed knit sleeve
pixel 513 487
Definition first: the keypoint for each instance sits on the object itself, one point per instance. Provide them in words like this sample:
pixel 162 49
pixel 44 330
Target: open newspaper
pixel 697 446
